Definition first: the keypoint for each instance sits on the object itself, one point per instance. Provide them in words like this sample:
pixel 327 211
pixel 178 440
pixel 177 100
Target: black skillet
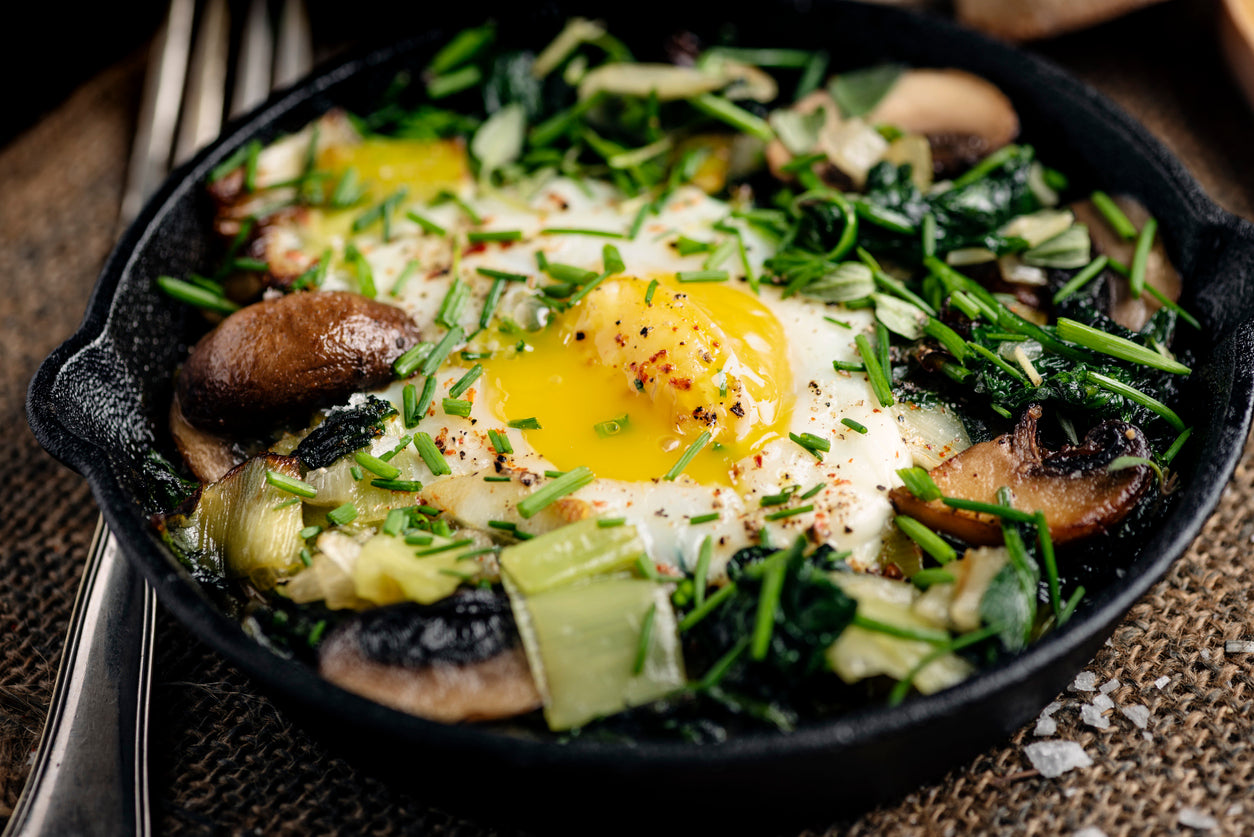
pixel 98 403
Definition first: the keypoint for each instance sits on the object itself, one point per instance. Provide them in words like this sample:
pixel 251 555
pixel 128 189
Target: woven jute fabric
pixel 226 759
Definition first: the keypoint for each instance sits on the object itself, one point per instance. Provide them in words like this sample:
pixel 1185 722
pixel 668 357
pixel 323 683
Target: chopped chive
pixel 503 525
pixel 419 538
pixel 427 225
pixel 525 424
pixel 780 498
pixel 444 547
pixel 930 576
pixel 307 559
pixel 928 541
pixel 424 400
pixel 902 687
pixel 445 196
pixel 1046 544
pixel 724 251
pixel 701 576
pixel 840 323
pixel 702 276
pixel 648 294
pixel 813 491
pixel 1121 463
pixel 582 231
pixel 879 381
pixel 195 295
pixel 497 479
pixel 397 485
pixel 929 635
pixel 611 427
pixel 709 517
pixel 688 455
pixel 441 351
pixel 854 426
pixel 475 553
pixel 501 274
pixel 947 337
pixel 342 515
pixel 356 473
pixel 554 474
pixel 401 444
pixel 290 502
pixel 774 568
pixel 1003 512
pixel 430 454
pixel 395 522
pixel 1109 344
pixel 710 604
pixel 612 260
pixel 1114 215
pixel 1140 256
pixel 454 301
pixel 734 115
pixel 638 221
pixel 813 444
pixel 491 301
pixel 410 267
pixel 347 190
pixel 844 366
pixel 410 360
pixel 409 400
pixel 793 512
pixel 611 522
pixel 465 381
pixel 446 85
pixel 919 483
pixel 487 236
pixel 987 166
pixel 1137 397
pixel 376 466
pixel 291 485
pixel 568 483
pixel 457 407
pixel 928 231
pixel 1176 446
pixel 1070 606
pixel 997 360
pixel 1086 275
pixel 500 442
pixel 310 532
pixel 686 246
pixel 231 163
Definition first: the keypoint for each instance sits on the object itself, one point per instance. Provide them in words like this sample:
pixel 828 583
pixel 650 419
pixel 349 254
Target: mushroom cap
pixel 208 455
pixel 964 117
pixel 1071 485
pixel 1130 312
pixel 280 358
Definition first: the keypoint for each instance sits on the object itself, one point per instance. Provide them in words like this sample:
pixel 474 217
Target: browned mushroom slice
pixel 458 660
pixel 964 117
pixel 208 455
pixel 1125 309
pixel 283 357
pixel 1072 485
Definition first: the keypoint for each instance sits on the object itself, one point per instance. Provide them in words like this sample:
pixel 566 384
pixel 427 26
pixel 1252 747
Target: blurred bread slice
pixel 1026 20
pixel 1236 36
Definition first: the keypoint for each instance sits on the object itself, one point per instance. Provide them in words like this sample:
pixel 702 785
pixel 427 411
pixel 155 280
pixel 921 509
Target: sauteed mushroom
pixel 281 357
pixel 458 660
pixel 1072 485
pixel 964 117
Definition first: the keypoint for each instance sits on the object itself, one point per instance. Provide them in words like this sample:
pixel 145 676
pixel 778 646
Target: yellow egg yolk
pixel 624 386
pixel 380 167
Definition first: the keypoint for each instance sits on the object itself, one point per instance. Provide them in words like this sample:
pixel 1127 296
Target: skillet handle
pixel 1228 301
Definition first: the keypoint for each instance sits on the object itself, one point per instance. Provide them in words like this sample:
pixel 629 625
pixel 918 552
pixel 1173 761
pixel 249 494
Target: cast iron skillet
pixel 99 402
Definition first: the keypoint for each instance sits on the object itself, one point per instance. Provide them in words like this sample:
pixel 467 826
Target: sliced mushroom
pixel 1071 485
pixel 1125 309
pixel 283 357
pixel 208 455
pixel 458 660
pixel 964 117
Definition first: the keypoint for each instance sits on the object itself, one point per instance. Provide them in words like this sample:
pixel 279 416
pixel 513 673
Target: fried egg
pixel 643 366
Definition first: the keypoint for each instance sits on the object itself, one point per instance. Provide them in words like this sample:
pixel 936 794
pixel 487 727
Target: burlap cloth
pixel 226 759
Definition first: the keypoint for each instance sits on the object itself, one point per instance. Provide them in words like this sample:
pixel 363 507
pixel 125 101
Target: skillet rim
pixel 300 683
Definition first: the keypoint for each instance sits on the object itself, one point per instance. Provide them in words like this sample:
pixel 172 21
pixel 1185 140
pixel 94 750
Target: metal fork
pixel 90 774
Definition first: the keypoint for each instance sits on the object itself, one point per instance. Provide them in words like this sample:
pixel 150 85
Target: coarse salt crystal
pixel 1162 681
pixel 1235 810
pixel 1093 716
pixel 1085 681
pixel 1137 714
pixel 1090 831
pixel 1103 702
pixel 1196 818
pixel 1054 758
pixel 1110 685
pixel 1049 710
pixel 1045 726
pixel 1147 736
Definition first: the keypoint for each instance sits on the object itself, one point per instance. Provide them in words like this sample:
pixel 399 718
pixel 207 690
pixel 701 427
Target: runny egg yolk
pixel 624 386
